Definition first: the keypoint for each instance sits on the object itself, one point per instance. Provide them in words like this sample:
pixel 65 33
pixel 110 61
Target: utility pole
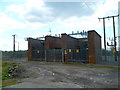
pixel 14 42
pixel 18 46
pixel 114 38
pixel 113 33
pixel 104 35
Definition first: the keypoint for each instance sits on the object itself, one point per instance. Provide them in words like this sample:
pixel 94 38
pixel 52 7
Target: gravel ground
pixel 58 75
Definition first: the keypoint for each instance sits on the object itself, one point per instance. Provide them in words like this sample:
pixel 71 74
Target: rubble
pixel 14 71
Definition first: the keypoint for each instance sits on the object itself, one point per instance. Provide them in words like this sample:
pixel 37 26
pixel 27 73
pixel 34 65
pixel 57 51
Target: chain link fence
pixel 110 58
pixel 77 55
pixel 53 55
pixel 59 55
pixel 10 55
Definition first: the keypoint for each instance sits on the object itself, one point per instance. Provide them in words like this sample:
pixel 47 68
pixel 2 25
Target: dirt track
pixel 58 75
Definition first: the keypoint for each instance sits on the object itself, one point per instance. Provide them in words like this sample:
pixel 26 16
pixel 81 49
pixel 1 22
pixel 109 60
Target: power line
pixel 113 33
pixel 18 46
pixel 104 35
pixel 90 9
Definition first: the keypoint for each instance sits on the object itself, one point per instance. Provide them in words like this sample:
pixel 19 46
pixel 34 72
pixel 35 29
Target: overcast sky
pixel 34 18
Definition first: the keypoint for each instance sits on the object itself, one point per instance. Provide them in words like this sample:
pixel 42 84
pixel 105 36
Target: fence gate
pixel 38 54
pixel 53 55
pixel 60 55
pixel 76 55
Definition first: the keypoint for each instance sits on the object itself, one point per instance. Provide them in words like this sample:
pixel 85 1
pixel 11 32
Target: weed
pixel 5 68
pixel 6 81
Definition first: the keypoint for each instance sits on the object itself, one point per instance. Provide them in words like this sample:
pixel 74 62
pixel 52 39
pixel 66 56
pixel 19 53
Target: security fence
pixel 77 55
pixel 61 55
pixel 110 58
pixel 9 55
pixel 54 55
pixel 38 55
pixel 71 55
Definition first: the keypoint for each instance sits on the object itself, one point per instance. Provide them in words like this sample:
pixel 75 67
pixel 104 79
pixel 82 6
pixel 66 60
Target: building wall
pixel 69 42
pixel 72 43
pixel 83 42
pixel 52 42
pixel 98 48
pixel 65 42
pixel 92 43
pixel 94 47
pixel 29 49
pixel 34 45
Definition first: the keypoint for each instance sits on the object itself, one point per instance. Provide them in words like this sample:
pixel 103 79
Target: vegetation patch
pixel 5 69
pixel 90 66
pixel 8 73
pixel 109 67
pixel 9 82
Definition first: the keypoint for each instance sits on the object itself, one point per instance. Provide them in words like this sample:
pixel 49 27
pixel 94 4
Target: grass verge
pixel 6 81
pixel 9 82
pixel 90 66
pixel 5 68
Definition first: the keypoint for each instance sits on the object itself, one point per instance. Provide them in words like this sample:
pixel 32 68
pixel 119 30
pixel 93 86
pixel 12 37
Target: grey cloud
pixel 63 10
pixel 36 15
pixel 68 9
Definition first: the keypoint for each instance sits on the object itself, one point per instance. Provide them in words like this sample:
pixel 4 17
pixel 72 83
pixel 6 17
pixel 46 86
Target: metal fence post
pixel 45 56
pixel 54 54
pixel 62 55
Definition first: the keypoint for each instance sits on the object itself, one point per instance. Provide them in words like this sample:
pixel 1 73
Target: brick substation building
pixel 70 49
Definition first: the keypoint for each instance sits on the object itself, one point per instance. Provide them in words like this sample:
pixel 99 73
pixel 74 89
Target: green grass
pixel 90 66
pixel 108 67
pixel 6 81
pixel 9 82
pixel 5 68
